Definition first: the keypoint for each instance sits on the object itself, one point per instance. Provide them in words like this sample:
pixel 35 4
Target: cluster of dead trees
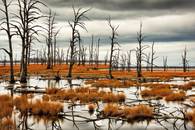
pixel 24 23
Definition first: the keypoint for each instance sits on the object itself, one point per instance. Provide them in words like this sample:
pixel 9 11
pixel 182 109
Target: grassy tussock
pixel 7 124
pixel 184 87
pixel 22 104
pixel 6 109
pixel 111 83
pixel 192 83
pixel 138 112
pixel 165 92
pixel 46 108
pixel 156 85
pixel 178 96
pixel 86 95
pixel 52 90
pixel 156 92
pixel 91 107
pixel 190 116
pixel 6 106
pixel 41 108
pixel 45 97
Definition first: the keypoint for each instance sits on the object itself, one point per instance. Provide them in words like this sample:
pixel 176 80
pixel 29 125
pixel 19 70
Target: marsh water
pixel 75 123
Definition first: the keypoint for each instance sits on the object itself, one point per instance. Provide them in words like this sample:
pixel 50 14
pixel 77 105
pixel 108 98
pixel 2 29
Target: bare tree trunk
pixel 129 60
pixel 152 57
pixel 79 56
pixel 78 16
pixel 123 61
pixel 184 60
pixel 148 62
pixel 114 42
pixel 165 63
pixel 97 52
pixel 9 35
pixel 25 25
pixel 139 52
pixel 106 58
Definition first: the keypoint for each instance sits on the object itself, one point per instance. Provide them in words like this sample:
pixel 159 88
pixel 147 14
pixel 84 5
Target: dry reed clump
pixel 184 87
pixel 91 107
pixel 178 96
pixel 52 90
pixel 86 95
pixel 22 104
pixel 190 116
pixel 41 108
pixel 192 99
pixel 156 92
pixel 7 124
pixel 88 82
pixel 138 112
pixel 44 108
pixel 192 83
pixel 111 110
pixel 156 85
pixel 166 93
pixel 6 109
pixel 45 97
pixel 112 83
pixel 6 106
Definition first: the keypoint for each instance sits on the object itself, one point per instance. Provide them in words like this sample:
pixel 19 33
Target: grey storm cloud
pixel 122 9
pixel 127 4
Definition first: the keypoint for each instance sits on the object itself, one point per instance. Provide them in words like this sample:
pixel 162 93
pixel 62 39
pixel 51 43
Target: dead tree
pixel 83 55
pixel 67 55
pixel 153 57
pixel 91 50
pixel 26 28
pixel 15 60
pixel 106 58
pixel 55 45
pixel 7 29
pixel 50 39
pixel 4 60
pixel 184 60
pixel 140 51
pixel 123 61
pixel 97 50
pixel 117 59
pixel 114 42
pixel 79 15
pixel 165 66
pixel 79 55
pixel 129 60
pixel 148 62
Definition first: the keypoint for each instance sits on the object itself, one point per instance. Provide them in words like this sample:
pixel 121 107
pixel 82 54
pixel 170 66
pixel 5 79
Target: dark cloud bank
pixel 128 4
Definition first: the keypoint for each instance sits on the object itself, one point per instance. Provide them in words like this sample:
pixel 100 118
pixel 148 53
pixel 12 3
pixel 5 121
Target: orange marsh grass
pixel 129 113
pixel 86 95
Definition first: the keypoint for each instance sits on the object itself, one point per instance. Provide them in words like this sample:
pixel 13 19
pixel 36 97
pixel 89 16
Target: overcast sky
pixel 170 23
